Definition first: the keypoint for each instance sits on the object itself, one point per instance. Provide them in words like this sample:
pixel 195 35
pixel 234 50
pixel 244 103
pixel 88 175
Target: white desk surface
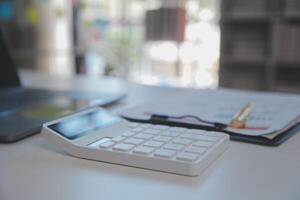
pixel 33 169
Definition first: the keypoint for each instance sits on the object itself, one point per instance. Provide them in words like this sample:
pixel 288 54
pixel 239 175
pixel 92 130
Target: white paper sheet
pixel 272 112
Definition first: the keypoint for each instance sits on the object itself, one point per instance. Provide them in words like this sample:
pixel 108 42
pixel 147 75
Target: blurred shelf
pixel 288 63
pixel 246 17
pixel 287 86
pixel 291 17
pixel 242 77
pixel 244 60
pixel 260 43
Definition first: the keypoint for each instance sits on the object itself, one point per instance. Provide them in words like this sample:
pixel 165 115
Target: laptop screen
pixel 8 72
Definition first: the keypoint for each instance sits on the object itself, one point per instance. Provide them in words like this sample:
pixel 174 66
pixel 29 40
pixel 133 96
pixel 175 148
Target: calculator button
pixel 196 131
pixel 192 136
pixel 145 125
pixel 196 149
pixel 178 129
pixel 160 127
pixel 165 153
pixel 203 143
pixel 98 142
pixel 209 138
pixel 106 144
pixel 162 138
pixel 143 136
pixel 137 129
pixel 185 156
pixel 118 138
pixel 128 134
pixel 135 141
pixel 143 150
pixel 171 133
pixel 123 147
pixel 215 134
pixel 151 131
pixel 182 141
pixel 173 146
pixel 132 124
pixel 153 143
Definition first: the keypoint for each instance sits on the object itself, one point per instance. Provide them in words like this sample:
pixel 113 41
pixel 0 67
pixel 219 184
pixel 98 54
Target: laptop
pixel 24 110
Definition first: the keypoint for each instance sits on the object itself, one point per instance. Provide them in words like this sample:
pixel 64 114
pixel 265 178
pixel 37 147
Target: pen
pixel 240 118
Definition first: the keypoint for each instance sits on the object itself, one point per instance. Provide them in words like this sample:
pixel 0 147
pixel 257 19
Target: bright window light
pixel 164 51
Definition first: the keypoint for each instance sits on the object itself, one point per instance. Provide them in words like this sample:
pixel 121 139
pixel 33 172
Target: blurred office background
pixel 186 43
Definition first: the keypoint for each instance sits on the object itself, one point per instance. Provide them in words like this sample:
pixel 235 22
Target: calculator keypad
pixel 165 153
pixel 106 144
pixel 186 156
pixel 164 142
pixel 123 147
pixel 143 150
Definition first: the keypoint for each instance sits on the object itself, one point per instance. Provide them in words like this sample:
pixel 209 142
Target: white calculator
pixel 97 134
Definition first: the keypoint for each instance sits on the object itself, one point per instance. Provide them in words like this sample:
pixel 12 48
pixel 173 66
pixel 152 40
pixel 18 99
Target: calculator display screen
pixel 81 125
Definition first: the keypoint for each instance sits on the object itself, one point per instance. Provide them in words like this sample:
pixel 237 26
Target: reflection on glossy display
pixel 75 127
